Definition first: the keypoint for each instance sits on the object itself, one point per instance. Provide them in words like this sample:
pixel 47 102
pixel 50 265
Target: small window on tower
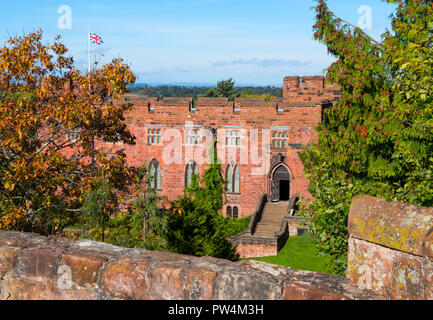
pixel 280 139
pixel 153 136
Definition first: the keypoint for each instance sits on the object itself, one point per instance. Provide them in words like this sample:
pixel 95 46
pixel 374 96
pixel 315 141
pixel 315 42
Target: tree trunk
pixel 30 217
pixel 144 230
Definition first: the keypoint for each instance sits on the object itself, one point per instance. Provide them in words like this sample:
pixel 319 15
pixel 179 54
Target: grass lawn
pixel 300 253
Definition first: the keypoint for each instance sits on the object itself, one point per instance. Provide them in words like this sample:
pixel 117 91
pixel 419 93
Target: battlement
pixel 217 107
pixel 211 101
pixel 174 101
pixel 297 92
pixel 309 88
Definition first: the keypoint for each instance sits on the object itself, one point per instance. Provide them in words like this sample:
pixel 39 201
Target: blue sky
pixel 198 41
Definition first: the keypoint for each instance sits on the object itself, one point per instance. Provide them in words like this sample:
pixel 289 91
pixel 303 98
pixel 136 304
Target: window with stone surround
pixel 154 136
pixel 233 138
pixel 229 212
pixel 190 170
pixel 155 175
pixel 279 139
pixel 235 213
pixel 74 135
pixel 192 136
pixel 233 179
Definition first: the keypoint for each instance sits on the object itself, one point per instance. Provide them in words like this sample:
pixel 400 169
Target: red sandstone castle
pixel 257 141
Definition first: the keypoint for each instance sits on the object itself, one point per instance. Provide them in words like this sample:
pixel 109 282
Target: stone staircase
pixel 272 217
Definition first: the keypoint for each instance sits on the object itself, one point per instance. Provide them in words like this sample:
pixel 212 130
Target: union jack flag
pixel 94 38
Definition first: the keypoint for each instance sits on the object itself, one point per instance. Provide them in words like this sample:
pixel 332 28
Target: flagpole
pixel 88 42
pixel 93 137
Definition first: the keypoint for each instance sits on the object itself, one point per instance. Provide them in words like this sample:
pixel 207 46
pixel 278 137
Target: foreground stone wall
pixel 36 267
pixel 390 257
pixel 391 248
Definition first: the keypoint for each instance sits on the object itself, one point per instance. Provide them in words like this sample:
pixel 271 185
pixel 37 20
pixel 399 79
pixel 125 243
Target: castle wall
pixel 296 116
pixel 174 116
pixel 33 267
pixel 313 88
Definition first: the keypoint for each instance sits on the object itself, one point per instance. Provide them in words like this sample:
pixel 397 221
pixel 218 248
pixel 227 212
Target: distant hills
pixel 197 84
pixel 198 89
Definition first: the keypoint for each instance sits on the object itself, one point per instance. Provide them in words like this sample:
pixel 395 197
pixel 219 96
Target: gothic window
pixel 229 212
pixel 191 169
pixel 236 180
pixel 229 178
pixel 279 139
pixel 235 213
pixel 233 138
pixel 155 175
pixel 153 136
pixel 233 179
pixel 192 136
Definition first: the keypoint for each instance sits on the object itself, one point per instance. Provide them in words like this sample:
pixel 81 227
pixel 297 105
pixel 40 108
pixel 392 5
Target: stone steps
pixel 273 214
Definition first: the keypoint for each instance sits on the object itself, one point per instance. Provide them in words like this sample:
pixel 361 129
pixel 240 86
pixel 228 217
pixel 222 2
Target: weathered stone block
pixel 407 282
pixel 369 266
pixel 297 290
pixel 39 263
pixel 391 224
pixel 25 289
pixel 126 279
pixel 199 284
pixel 166 283
pixel 387 272
pixel 84 267
pixel 8 258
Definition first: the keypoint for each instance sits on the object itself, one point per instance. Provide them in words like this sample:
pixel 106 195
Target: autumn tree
pixel 51 115
pixel 378 139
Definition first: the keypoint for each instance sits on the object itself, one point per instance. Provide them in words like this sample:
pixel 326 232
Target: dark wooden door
pixel 275 190
pixel 280 174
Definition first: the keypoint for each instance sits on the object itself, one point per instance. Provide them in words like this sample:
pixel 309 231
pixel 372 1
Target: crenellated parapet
pixel 216 105
pixel 309 88
pixel 308 91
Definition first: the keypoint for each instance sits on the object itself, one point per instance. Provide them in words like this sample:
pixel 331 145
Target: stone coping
pixel 395 225
pixel 33 267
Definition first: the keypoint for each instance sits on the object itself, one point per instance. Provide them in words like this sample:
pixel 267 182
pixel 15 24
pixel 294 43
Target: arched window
pixel 190 170
pixel 229 212
pixel 233 178
pixel 229 178
pixel 155 175
pixel 235 213
pixel 236 180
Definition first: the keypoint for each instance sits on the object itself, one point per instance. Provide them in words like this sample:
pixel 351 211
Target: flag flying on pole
pixel 94 38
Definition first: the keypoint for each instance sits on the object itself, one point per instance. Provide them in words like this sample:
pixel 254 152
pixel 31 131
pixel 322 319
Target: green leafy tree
pixel 248 93
pixel 145 222
pixel 99 206
pixel 224 88
pixel 378 139
pixel 196 227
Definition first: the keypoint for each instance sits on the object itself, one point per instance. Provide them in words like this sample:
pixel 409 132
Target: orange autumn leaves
pixel 43 97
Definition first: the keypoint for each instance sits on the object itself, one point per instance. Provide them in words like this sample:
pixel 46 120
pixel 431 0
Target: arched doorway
pixel 280 184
